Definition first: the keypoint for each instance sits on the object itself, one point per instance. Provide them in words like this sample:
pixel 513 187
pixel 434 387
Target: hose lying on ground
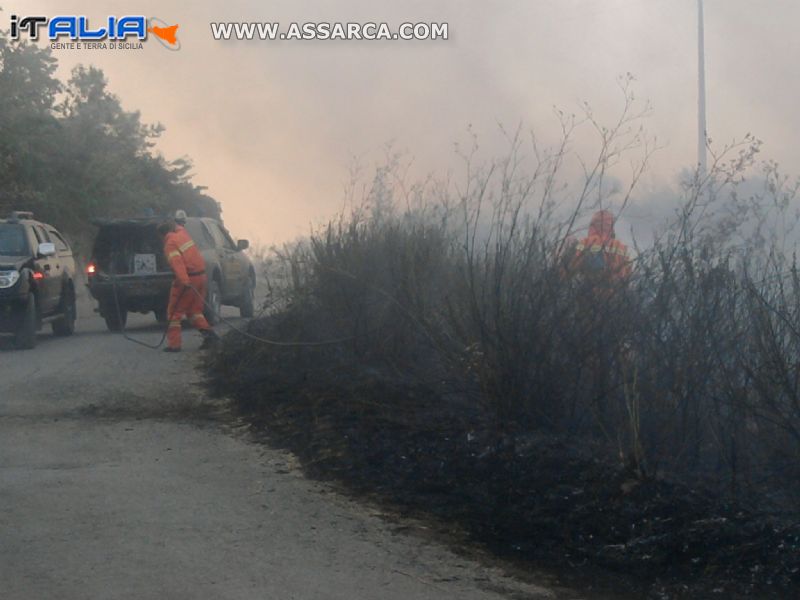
pixel 222 319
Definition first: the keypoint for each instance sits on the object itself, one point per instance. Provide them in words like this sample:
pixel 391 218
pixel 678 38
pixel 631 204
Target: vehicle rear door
pixel 64 253
pixel 50 267
pixel 232 272
pixel 201 236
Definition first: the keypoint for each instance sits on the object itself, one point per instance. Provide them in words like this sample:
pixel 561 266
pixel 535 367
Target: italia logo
pixel 78 28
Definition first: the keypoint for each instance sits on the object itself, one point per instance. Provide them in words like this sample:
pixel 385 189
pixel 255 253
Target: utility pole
pixel 702 132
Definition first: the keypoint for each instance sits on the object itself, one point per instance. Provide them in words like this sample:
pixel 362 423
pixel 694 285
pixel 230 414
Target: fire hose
pixel 221 319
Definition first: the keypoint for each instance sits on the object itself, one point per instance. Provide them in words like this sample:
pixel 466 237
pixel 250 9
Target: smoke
pixel 273 126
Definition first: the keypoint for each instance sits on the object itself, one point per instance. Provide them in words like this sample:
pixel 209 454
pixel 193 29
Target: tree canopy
pixel 69 151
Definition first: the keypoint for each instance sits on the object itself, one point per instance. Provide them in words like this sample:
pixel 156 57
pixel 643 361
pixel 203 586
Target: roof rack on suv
pixel 16 215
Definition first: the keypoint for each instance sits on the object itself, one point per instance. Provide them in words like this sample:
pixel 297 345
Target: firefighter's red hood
pixel 602 225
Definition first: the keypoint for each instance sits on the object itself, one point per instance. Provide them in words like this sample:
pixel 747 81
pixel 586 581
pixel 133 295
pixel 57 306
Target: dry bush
pixel 690 369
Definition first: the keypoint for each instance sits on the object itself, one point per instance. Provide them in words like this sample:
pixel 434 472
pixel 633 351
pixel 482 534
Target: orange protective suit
pixel 601 239
pixel 190 272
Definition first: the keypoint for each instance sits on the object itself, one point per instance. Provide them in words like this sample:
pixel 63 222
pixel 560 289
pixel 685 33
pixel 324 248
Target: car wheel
pixel 25 337
pixel 115 319
pixel 213 302
pixel 66 324
pixel 246 304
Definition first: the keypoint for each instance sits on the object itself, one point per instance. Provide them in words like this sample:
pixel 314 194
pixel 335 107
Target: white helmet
pixel 180 217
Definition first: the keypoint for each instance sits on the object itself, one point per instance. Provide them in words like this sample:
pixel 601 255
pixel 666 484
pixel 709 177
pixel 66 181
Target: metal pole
pixel 702 133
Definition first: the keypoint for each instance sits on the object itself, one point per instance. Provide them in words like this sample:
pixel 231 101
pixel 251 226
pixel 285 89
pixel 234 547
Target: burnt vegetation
pixel 651 434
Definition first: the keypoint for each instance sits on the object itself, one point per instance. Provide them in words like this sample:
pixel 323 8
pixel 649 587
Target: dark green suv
pixel 37 285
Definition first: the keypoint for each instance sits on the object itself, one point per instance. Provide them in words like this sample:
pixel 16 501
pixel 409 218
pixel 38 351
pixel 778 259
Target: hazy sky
pixel 272 126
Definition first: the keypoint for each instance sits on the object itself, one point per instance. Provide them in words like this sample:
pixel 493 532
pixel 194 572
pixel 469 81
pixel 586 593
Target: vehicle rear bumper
pixel 135 292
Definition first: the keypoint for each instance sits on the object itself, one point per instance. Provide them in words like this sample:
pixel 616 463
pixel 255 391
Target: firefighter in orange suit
pixel 189 287
pixel 603 267
pixel 601 254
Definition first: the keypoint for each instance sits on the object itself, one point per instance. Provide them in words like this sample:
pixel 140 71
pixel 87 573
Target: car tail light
pixel 91 269
pixel 38 276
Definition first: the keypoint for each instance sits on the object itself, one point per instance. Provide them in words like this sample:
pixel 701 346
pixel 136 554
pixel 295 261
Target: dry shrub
pixel 690 369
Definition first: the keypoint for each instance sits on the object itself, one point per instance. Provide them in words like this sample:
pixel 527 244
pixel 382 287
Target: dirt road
pixel 120 479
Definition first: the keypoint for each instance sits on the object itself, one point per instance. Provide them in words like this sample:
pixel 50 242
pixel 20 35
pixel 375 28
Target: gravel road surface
pixel 121 479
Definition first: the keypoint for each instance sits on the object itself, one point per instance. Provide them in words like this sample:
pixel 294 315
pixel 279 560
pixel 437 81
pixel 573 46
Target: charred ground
pixel 533 499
